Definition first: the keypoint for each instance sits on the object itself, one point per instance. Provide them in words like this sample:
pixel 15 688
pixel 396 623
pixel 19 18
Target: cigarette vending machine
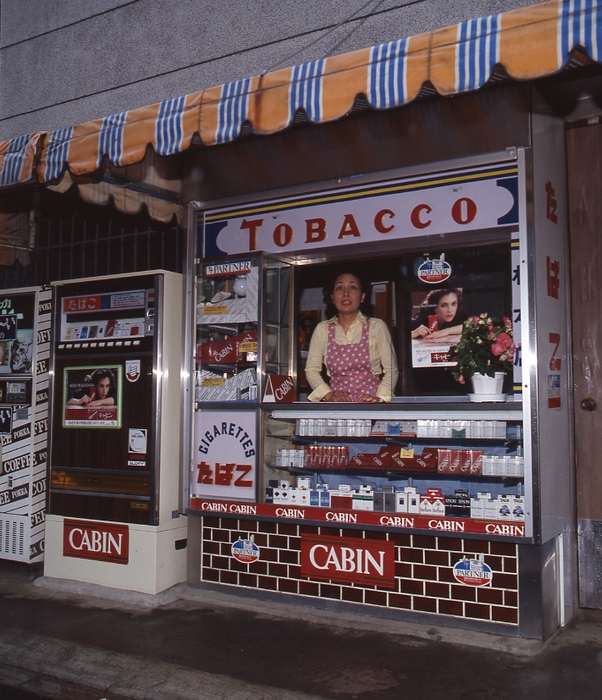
pixel 25 316
pixel 113 506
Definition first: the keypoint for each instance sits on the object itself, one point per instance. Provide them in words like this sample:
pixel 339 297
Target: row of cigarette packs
pixel 443 461
pixel 474 429
pixel 435 428
pixel 433 502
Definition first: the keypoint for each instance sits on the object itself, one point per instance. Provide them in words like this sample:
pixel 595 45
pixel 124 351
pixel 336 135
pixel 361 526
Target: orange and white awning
pixel 522 44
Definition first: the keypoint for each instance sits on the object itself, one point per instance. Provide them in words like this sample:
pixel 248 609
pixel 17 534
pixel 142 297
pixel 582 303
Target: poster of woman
pixel 437 319
pixel 92 397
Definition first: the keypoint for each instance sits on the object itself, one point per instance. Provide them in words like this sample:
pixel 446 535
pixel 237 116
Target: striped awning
pixel 18 158
pixel 522 44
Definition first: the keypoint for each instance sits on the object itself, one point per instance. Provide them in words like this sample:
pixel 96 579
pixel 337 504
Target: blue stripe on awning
pixel 580 25
pixel 386 75
pixel 233 110
pixel 169 129
pixel 478 51
pixel 57 152
pixel 13 161
pixel 306 90
pixel 111 138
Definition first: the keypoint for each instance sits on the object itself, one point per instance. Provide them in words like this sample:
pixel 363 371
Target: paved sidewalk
pixel 75 642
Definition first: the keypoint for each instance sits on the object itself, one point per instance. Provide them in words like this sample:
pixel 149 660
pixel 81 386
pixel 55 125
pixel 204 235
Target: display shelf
pixel 394 474
pixel 405 476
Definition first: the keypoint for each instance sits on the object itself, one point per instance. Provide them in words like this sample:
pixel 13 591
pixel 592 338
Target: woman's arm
pixel 109 401
pixel 383 348
pixel 315 361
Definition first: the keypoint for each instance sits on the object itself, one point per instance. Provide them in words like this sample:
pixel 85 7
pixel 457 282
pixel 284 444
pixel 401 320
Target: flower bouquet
pixel 486 347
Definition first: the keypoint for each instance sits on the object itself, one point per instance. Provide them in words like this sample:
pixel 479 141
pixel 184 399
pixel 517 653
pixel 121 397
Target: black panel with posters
pixel 103 410
pixel 423 297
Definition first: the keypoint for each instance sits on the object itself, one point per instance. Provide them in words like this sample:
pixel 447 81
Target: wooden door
pixel 584 152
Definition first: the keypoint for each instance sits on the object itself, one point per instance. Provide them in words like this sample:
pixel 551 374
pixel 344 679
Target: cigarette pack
pixel 476 461
pixel 464 461
pixel 443 460
pixel 490 509
pixel 341 502
pixel 362 501
pixel 518 510
pixel 504 508
pixel 454 462
pixel 390 501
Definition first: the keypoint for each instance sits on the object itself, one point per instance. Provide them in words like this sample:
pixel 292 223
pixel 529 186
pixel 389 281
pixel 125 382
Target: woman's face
pixel 102 388
pixel 447 307
pixel 347 294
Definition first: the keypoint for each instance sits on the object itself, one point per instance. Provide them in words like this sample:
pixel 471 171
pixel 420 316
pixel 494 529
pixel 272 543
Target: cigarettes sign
pixel 225 455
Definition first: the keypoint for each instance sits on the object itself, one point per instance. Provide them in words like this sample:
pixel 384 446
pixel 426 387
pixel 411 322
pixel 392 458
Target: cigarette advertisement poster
pixel 225 455
pixel 436 326
pixel 92 397
pixel 16 333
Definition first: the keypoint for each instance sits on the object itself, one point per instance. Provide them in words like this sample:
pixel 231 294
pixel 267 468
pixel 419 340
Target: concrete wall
pixel 63 61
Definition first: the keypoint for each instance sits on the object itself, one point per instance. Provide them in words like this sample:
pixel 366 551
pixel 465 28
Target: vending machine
pixel 25 316
pixel 114 475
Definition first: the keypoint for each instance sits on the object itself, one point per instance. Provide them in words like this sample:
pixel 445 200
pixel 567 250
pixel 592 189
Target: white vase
pixel 483 384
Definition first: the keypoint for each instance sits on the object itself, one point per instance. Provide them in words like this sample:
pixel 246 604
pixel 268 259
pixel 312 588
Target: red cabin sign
pixel 86 539
pixel 369 562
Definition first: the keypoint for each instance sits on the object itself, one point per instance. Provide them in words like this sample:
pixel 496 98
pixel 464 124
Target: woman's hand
pixel 370 398
pixel 336 396
pixel 420 332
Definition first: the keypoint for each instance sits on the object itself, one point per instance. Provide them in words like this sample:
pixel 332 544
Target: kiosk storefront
pixel 432 504
pixel 440 501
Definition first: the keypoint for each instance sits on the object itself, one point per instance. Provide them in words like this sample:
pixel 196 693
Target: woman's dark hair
pixel 100 374
pixel 366 286
pixel 434 297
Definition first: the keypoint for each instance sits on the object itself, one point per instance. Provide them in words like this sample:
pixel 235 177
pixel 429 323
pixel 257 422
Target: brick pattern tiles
pixel 423 569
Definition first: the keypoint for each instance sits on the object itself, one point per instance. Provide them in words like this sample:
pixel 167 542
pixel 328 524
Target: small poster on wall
pixel 436 325
pixel 92 397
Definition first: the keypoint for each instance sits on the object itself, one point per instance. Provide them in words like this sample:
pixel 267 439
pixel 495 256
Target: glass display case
pixel 458 470
pixel 239 340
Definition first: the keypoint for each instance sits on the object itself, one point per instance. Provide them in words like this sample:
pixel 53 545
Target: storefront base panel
pixel 423 582
pixel 156 558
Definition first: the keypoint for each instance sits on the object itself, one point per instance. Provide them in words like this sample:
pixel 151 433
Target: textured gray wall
pixel 68 61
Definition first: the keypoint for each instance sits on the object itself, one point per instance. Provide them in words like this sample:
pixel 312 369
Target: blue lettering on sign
pixel 230 430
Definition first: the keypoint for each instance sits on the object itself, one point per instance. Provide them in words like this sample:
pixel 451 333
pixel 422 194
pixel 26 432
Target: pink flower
pixel 502 344
pixel 461 379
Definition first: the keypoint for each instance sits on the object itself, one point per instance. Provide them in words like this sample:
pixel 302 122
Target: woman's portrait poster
pixel 92 397
pixel 437 319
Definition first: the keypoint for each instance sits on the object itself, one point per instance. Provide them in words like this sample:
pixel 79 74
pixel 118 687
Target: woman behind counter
pixel 357 350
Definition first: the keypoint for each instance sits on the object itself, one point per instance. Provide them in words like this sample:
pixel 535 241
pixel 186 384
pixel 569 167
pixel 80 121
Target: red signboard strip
pixel 408 521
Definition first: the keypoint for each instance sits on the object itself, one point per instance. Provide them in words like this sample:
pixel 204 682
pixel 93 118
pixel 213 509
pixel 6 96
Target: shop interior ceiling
pixel 396 98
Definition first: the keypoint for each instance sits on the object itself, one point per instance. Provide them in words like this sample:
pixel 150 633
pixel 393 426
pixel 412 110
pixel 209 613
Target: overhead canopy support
pixel 522 44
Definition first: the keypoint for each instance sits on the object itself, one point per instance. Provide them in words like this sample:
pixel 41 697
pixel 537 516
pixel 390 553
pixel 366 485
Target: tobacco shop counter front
pixel 422 497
